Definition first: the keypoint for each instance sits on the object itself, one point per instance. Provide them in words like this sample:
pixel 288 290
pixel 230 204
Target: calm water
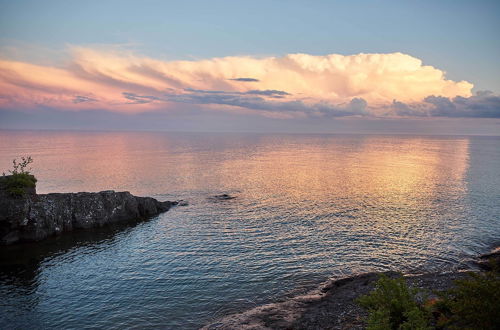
pixel 307 207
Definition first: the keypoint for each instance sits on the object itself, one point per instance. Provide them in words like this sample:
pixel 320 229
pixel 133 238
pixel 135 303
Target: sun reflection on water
pixel 305 208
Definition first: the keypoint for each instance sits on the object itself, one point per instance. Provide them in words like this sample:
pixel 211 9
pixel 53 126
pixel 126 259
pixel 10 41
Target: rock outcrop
pixel 334 304
pixel 34 217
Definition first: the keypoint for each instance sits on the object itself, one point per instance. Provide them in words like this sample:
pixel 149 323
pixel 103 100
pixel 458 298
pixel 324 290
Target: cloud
pixel 294 84
pixel 82 99
pixel 485 104
pixel 482 105
pixel 406 110
pixel 139 99
pixel 245 79
pixel 249 100
pixel 268 92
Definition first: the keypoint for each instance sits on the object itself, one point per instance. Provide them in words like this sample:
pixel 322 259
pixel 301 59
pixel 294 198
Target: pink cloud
pixel 292 85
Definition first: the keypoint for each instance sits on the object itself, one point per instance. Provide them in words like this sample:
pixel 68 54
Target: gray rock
pixel 34 217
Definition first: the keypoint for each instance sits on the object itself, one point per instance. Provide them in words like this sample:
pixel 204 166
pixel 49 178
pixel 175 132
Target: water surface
pixel 307 207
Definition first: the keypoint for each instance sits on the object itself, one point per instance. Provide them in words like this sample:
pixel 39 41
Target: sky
pixel 264 66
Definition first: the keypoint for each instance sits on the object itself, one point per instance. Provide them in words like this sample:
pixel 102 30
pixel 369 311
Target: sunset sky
pixel 271 66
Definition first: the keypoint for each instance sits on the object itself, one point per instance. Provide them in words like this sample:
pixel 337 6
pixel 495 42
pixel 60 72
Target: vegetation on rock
pixel 20 177
pixel 473 303
pixel 393 305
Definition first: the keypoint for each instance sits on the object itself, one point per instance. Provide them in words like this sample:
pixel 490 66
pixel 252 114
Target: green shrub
pixel 474 303
pixel 393 305
pixel 16 184
pixel 20 177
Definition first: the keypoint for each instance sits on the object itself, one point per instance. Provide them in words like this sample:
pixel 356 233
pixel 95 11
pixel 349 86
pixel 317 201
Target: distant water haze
pixel 306 207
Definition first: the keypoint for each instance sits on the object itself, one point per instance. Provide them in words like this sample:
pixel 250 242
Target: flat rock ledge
pixel 34 217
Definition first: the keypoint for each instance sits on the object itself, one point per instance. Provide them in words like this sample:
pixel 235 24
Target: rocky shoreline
pixel 333 305
pixel 34 217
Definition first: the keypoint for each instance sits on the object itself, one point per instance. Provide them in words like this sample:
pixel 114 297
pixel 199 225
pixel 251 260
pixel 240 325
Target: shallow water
pixel 307 207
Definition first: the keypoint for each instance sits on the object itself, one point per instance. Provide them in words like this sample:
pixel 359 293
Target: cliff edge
pixel 34 217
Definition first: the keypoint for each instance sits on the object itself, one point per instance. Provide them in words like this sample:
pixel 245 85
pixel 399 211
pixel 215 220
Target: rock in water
pixel 33 217
pixel 222 197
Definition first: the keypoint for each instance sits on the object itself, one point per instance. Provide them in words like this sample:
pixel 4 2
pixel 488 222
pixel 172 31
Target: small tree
pixel 20 177
pixel 21 167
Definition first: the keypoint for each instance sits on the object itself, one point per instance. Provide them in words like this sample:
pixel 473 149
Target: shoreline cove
pixel 332 305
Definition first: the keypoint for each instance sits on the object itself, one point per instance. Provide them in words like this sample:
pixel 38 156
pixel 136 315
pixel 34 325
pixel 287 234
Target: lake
pixel 306 208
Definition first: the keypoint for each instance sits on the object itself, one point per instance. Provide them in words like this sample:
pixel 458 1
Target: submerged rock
pixel 222 197
pixel 33 217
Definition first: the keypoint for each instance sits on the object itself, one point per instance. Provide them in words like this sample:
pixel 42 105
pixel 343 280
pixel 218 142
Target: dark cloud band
pixel 83 99
pixel 245 79
pixel 484 104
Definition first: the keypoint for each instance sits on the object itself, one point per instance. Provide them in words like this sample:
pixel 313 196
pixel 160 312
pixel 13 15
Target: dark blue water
pixel 307 207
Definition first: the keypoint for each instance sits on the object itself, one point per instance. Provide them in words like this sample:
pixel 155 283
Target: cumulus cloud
pixel 298 84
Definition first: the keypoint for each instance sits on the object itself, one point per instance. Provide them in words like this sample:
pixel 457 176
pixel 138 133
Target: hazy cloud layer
pixel 256 100
pixel 295 85
pixel 82 99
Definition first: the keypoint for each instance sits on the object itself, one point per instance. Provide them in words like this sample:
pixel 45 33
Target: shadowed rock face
pixel 34 217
